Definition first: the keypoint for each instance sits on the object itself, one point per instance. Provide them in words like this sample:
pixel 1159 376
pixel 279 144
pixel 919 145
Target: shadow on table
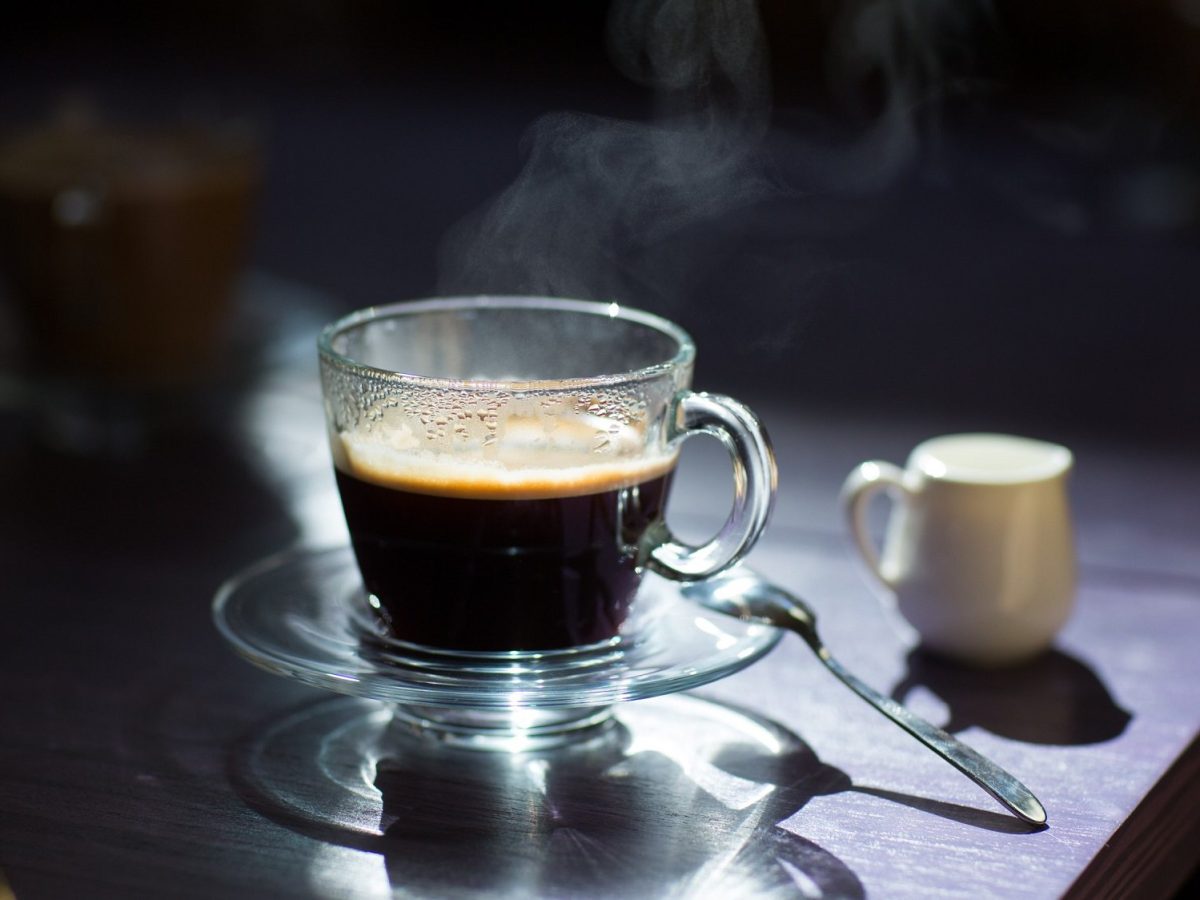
pixel 1053 699
pixel 644 808
pixel 683 796
pixel 604 818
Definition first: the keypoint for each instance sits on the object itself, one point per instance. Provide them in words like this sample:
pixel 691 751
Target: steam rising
pixel 598 199
pixel 711 53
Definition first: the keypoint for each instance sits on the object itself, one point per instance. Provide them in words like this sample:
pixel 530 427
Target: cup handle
pixel 860 486
pixel 754 480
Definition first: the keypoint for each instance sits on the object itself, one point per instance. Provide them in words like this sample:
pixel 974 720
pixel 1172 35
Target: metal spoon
pixel 741 593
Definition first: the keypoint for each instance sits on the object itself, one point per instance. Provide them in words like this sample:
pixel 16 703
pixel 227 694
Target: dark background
pixel 1028 257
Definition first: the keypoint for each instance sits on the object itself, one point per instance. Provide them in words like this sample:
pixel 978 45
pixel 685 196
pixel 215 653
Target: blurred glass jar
pixel 120 245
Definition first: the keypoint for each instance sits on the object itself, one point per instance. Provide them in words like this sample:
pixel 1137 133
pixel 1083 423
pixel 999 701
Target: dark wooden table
pixel 140 757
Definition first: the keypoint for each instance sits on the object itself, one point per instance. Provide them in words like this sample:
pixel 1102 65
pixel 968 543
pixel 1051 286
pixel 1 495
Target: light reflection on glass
pixel 724 640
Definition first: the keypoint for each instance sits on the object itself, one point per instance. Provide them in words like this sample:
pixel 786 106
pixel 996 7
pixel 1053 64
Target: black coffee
pixel 481 567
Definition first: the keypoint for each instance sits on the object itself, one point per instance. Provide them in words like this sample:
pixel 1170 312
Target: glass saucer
pixel 304 614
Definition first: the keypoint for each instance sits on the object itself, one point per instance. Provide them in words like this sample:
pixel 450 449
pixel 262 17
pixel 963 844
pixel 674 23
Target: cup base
pixel 381 644
pixel 506 731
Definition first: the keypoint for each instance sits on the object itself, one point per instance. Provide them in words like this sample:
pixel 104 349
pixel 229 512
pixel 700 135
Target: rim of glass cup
pixel 685 348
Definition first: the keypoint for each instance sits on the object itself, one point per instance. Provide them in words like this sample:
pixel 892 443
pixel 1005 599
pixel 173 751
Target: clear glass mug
pixel 504 465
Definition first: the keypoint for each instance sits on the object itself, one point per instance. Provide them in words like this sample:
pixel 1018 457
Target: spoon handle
pixel 981 770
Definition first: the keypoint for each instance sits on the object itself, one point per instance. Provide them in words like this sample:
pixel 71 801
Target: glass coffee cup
pixel 504 465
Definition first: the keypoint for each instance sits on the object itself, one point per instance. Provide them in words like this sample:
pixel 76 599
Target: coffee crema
pixel 531 461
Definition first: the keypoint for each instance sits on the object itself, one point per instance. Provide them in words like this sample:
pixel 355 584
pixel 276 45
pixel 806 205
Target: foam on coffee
pixel 529 462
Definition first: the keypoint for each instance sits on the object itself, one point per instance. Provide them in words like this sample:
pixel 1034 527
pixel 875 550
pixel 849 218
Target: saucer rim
pixel 753 641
